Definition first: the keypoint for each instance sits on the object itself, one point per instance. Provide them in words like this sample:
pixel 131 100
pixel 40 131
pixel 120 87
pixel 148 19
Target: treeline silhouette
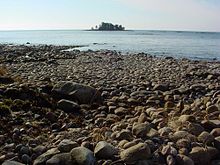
pixel 108 26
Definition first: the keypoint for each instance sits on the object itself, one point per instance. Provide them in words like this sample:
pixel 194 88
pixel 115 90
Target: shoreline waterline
pixel 193 45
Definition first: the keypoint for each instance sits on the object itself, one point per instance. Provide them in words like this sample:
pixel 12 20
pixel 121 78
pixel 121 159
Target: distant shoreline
pixel 107 30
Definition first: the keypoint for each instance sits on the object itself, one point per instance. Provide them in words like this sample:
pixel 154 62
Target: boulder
pixel 77 92
pixel 104 150
pixel 41 160
pixel 200 156
pixel 68 106
pixel 61 159
pixel 135 153
pixel 82 156
pixel 67 145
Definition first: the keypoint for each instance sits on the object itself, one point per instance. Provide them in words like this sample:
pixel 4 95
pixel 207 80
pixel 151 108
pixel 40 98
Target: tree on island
pixel 108 26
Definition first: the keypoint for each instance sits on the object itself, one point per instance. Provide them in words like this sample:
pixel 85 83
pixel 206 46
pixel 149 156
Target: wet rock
pixel 82 156
pixel 135 153
pixel 104 150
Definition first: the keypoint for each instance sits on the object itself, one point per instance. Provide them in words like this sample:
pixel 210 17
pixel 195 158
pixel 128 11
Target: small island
pixel 108 27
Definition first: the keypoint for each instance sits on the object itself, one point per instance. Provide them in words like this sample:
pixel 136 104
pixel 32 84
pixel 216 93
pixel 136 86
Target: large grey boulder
pixel 82 156
pixel 104 150
pixel 136 153
pixel 77 92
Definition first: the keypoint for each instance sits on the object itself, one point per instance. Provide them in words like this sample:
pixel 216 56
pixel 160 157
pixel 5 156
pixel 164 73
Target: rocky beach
pixel 60 107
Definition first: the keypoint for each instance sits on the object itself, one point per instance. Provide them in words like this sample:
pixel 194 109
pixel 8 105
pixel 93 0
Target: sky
pixel 193 15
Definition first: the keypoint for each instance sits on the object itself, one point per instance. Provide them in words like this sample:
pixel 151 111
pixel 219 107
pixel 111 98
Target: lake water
pixel 194 45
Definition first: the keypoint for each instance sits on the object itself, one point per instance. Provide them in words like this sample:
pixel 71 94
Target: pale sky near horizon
pixel 195 15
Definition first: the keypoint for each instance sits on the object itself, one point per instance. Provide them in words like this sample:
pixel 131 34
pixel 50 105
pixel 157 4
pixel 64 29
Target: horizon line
pixel 72 29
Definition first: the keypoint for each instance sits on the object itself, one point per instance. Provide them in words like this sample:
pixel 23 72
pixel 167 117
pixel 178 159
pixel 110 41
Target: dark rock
pixel 6 80
pixel 77 92
pixel 68 106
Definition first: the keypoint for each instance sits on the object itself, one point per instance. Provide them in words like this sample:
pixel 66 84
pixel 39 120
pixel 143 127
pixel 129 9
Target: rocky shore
pixel 61 107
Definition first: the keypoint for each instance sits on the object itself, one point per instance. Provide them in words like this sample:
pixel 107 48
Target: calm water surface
pixel 195 45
